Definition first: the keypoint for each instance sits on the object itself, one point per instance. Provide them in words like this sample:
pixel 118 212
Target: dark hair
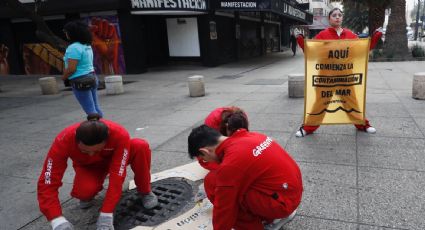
pixel 93 131
pixel 200 137
pixel 233 119
pixel 78 32
pixel 333 10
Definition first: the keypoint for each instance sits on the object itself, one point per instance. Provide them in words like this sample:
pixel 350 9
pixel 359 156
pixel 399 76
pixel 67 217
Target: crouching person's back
pixel 256 182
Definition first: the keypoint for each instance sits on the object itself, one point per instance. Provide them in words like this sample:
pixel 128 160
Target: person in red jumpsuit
pixel 217 120
pixel 256 182
pixel 97 148
pixel 332 33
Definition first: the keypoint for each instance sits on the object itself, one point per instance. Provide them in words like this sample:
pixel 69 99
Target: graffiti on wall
pixel 4 64
pixel 41 58
pixel 107 48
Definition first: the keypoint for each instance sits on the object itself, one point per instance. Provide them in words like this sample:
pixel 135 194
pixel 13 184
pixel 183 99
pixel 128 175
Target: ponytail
pixel 93 131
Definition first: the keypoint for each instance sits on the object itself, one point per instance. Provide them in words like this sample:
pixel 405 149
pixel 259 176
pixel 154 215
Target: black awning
pixel 284 8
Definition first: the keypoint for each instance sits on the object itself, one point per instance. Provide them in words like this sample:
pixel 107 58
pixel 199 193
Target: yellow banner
pixel 335 81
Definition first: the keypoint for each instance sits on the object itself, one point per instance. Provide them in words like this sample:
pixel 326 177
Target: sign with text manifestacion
pixel 335 81
pixel 191 5
pixel 281 7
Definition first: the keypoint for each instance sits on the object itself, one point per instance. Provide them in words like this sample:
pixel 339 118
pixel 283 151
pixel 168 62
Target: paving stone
pixel 323 148
pixel 19 204
pixel 396 153
pixel 275 122
pixel 394 127
pixel 329 191
pixel 386 110
pixel 392 198
pixel 303 222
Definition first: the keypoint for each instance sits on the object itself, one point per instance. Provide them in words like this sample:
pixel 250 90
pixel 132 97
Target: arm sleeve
pixel 117 172
pixel 51 179
pixel 375 39
pixel 300 41
pixel 73 52
pixel 226 200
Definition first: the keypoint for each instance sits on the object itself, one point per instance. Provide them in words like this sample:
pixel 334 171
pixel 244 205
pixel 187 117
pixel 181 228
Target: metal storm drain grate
pixel 173 195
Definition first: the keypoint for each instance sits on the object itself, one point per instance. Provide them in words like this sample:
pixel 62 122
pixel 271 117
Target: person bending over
pixel 97 148
pixel 256 181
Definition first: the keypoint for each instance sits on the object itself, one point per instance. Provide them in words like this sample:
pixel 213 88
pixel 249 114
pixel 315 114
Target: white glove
pixel 105 221
pixel 60 223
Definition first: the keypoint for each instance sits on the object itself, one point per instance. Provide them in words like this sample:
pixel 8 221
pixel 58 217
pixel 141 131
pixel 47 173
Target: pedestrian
pixel 217 120
pixel 256 181
pixel 97 148
pixel 293 42
pixel 334 32
pixel 79 68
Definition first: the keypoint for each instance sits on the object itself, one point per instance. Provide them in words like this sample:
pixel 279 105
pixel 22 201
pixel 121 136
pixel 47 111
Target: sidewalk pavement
pixel 352 180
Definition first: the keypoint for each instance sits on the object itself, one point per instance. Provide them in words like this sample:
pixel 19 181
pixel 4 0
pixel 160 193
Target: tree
pixel 355 16
pixel 42 32
pixel 370 11
pixel 395 39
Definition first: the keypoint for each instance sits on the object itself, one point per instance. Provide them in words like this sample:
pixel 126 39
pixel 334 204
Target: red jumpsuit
pixel 256 181
pixel 331 34
pixel 91 171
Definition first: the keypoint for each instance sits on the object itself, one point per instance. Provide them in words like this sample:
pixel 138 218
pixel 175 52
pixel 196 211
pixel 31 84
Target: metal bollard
pixel 296 85
pixel 48 85
pixel 196 86
pixel 418 87
pixel 114 85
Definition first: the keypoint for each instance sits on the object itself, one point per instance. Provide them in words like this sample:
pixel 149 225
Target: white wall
pixel 183 38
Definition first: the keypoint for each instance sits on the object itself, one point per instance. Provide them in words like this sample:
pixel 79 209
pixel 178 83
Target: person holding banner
pixel 336 32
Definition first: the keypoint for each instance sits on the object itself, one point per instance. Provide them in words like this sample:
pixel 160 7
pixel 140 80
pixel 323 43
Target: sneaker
pixel 370 130
pixel 86 204
pixel 278 223
pixel 301 132
pixel 149 200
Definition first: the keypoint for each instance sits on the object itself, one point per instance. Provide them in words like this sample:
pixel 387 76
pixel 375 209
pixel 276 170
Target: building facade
pixel 132 35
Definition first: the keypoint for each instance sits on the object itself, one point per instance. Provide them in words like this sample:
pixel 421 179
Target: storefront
pixel 149 33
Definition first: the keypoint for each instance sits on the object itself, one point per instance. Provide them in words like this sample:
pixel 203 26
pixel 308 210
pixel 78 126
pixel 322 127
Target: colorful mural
pixel 107 48
pixel 42 58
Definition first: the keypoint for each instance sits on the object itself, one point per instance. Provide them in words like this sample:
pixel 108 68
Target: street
pixel 352 180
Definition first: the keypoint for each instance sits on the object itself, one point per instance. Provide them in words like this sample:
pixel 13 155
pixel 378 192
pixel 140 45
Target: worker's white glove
pixel 60 223
pixel 105 221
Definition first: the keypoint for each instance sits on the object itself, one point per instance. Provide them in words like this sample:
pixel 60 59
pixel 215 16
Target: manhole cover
pixel 267 82
pixel 230 76
pixel 173 195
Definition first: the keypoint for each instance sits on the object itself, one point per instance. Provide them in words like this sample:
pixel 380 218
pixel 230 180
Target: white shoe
pixel 300 133
pixel 370 130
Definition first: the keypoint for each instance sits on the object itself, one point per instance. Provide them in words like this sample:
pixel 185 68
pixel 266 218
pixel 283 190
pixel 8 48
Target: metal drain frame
pixel 174 195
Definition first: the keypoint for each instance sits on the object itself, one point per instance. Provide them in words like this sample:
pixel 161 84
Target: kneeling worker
pixel 256 181
pixel 97 148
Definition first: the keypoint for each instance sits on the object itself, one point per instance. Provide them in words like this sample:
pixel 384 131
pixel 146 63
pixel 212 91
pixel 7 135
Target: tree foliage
pixel 365 14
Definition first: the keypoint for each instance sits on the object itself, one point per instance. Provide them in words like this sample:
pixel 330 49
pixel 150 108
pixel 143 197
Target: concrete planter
pixel 196 86
pixel 114 85
pixel 296 85
pixel 48 85
pixel 418 87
